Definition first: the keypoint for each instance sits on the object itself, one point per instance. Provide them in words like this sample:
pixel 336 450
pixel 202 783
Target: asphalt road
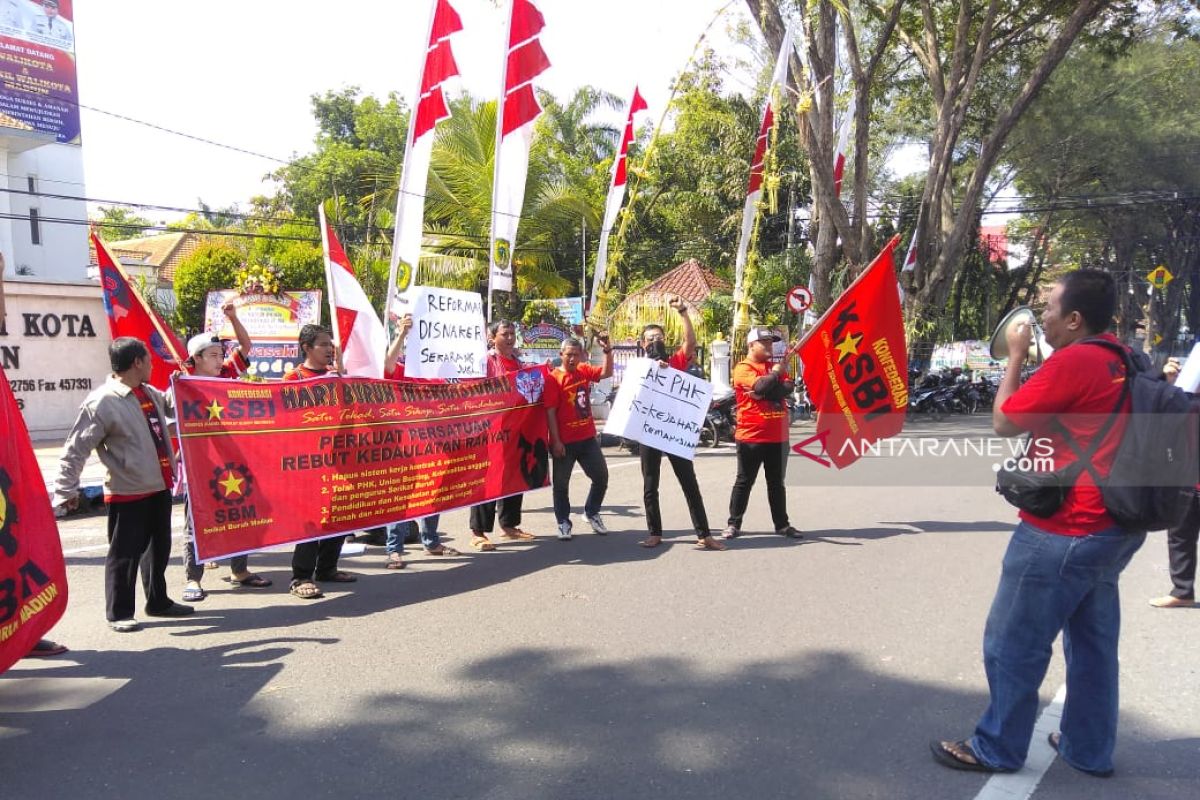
pixel 595 668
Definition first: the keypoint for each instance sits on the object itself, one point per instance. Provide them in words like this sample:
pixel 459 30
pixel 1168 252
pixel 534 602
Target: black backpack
pixel 1157 464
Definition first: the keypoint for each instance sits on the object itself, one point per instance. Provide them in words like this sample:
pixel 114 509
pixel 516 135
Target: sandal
pixel 395 561
pixel 337 577
pixel 193 594
pixel 46 648
pixel 709 543
pixel 653 540
pixel 1055 739
pixel 251 581
pixel 959 755
pixel 482 544
pixel 516 535
pixel 441 550
pixel 305 590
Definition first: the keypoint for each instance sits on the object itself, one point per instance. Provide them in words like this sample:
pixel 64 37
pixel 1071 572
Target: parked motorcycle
pixel 720 421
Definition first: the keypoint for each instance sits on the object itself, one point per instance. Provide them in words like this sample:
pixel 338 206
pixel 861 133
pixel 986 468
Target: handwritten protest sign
pixel 660 407
pixel 448 338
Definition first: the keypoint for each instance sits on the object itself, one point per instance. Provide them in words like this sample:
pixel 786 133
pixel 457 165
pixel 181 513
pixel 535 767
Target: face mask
pixel 657 350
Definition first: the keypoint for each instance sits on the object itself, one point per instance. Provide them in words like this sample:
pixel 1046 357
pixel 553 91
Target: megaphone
pixel 1039 350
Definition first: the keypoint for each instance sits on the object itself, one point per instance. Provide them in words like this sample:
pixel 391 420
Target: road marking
pixel 1021 785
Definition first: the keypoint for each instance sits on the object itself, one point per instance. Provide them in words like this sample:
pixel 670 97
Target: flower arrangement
pixel 258 279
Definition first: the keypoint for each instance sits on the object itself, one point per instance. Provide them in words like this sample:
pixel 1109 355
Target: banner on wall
pixel 279 463
pixel 273 322
pixel 39 92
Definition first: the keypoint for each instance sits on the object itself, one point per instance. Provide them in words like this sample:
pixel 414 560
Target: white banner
pixel 448 337
pixel 660 407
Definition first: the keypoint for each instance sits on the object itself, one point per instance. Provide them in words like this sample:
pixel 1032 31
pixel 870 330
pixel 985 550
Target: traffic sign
pixel 1159 277
pixel 799 299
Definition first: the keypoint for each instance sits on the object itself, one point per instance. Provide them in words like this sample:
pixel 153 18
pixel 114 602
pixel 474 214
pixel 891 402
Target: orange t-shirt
pixel 575 423
pixel 758 420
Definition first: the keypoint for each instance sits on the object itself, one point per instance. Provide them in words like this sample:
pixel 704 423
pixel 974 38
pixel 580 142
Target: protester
pixel 577 435
pixel 1181 551
pixel 654 345
pixel 1060 572
pixel 316 560
pixel 206 359
pixel 761 390
pixel 501 360
pixel 398 532
pixel 125 421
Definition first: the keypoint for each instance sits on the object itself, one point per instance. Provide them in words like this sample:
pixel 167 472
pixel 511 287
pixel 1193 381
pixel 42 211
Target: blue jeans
pixel 396 533
pixel 1053 583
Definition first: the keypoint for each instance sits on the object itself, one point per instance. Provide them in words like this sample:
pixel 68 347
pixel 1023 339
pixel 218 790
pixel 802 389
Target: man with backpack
pixel 1061 569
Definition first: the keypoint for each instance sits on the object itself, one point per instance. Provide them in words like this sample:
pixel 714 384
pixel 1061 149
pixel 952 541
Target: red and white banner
pixel 855 367
pixel 757 168
pixel 356 326
pixel 616 195
pixel 128 315
pixel 430 109
pixel 33 577
pixel 516 112
pixel 277 463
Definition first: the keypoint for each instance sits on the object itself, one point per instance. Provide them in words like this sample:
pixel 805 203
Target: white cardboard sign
pixel 448 338
pixel 660 407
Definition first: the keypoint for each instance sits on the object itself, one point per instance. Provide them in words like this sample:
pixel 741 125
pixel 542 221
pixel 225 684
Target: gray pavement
pixel 591 669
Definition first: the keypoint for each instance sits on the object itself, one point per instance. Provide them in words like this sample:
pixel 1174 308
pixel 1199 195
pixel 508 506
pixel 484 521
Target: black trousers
pixel 317 559
pixel 685 472
pixel 139 537
pixel 591 460
pixel 483 516
pixel 751 456
pixel 1181 547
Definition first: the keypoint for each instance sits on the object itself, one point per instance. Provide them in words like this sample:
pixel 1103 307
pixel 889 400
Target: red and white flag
pixel 429 109
pixel 356 326
pixel 843 147
pixel 757 167
pixel 129 315
pixel 516 111
pixel 616 194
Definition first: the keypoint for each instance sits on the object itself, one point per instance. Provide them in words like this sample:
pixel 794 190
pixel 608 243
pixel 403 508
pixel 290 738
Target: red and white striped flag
pixel 429 109
pixel 356 326
pixel 754 188
pixel 843 147
pixel 616 194
pixel 515 114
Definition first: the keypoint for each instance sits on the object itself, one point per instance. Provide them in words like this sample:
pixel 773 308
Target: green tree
pixel 211 266
pixel 121 222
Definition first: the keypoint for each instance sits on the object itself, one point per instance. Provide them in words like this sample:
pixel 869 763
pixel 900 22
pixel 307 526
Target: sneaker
pixel 730 532
pixel 564 531
pixel 173 610
pixel 597 525
pixel 790 533
pixel 125 625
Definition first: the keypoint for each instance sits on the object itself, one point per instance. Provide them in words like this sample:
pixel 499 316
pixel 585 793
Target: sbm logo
pixel 233 484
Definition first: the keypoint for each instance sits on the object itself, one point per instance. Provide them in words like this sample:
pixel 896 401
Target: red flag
pixel 33 577
pixel 855 366
pixel 128 315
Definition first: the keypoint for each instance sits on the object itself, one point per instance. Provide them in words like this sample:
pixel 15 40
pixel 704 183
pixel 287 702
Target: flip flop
pixel 951 754
pixel 649 544
pixel 482 544
pixel 251 581
pixel 395 561
pixel 193 594
pixel 305 590
pixel 1056 737
pixel 442 550
pixel 46 648
pixel 709 543
pixel 518 536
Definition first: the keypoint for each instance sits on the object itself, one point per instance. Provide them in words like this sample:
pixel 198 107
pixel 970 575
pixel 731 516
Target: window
pixel 32 184
pixel 35 226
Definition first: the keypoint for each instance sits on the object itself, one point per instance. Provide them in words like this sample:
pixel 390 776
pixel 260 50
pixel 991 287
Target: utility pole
pixel 583 265
pixel 787 259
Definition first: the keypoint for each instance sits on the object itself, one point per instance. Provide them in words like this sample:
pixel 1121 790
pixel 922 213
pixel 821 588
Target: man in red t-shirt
pixel 577 432
pixel 760 389
pixel 1060 572
pixel 654 345
pixel 501 360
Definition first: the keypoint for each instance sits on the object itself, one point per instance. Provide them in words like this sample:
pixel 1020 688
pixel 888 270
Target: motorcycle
pixel 720 420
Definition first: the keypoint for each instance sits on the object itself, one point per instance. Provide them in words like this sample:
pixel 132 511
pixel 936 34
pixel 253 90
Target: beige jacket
pixel 111 422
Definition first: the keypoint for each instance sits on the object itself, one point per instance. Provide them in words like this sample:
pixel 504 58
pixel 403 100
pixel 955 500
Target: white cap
pixel 201 342
pixel 757 334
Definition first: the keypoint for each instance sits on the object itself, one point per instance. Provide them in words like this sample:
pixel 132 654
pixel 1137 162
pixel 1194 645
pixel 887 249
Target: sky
pixel 242 73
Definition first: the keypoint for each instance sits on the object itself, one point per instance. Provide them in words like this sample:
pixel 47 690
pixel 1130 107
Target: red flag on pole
pixel 33 577
pixel 855 367
pixel 128 315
